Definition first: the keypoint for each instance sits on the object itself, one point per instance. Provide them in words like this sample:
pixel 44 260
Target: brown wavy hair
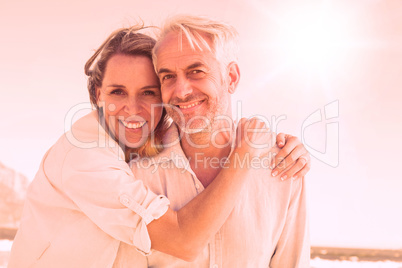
pixel 125 41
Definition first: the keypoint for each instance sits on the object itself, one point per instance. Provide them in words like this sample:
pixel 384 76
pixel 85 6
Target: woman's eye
pixel 117 92
pixel 149 93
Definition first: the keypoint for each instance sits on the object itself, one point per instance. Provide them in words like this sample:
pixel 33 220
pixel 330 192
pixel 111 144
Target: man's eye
pixel 196 73
pixel 168 76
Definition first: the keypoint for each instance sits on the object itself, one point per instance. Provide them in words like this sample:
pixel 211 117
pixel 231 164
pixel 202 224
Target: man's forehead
pixel 178 41
pixel 186 62
pixel 175 52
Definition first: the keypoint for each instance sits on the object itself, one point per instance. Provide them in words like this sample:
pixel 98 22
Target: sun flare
pixel 312 38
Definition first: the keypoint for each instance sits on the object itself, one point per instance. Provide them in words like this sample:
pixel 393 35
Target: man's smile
pixel 189 105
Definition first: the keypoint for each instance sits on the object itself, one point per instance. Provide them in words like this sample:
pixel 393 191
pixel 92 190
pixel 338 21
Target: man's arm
pixel 293 247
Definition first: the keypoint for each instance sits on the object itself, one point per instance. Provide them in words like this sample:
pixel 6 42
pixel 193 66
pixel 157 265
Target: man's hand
pixel 293 160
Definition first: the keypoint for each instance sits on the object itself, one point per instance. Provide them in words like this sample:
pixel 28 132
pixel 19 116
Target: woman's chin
pixel 133 142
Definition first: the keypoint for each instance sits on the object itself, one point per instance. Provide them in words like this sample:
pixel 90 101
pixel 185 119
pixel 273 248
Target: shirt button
pixel 125 200
pixel 215 266
pixel 197 186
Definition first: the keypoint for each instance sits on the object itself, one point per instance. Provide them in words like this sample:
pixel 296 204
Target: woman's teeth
pixel 133 125
pixel 190 105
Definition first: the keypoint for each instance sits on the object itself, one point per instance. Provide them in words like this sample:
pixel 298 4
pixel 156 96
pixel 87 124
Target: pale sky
pixel 296 58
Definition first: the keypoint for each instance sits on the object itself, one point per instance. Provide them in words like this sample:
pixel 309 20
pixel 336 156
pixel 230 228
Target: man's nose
pixel 183 87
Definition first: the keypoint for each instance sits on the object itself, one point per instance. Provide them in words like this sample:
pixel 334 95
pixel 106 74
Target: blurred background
pixel 329 72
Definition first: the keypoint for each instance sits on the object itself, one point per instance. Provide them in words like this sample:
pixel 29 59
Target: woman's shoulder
pixel 86 129
pixel 86 136
pixel 87 132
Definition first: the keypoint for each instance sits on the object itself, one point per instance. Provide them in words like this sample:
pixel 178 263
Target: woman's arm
pixel 186 232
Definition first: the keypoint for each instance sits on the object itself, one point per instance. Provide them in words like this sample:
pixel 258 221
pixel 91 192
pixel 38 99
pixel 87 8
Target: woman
pixel 84 199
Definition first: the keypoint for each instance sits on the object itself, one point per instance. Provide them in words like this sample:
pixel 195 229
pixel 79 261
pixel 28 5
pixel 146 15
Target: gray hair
pixel 223 36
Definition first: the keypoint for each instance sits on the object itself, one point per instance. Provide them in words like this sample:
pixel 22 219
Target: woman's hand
pixel 254 138
pixel 185 233
pixel 293 160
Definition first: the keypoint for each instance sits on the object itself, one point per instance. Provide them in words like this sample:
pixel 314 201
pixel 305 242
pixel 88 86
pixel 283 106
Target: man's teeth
pixel 133 125
pixel 189 106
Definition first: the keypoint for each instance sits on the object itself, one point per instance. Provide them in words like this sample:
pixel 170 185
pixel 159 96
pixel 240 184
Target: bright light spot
pixel 5 245
pixel 312 38
pixel 353 264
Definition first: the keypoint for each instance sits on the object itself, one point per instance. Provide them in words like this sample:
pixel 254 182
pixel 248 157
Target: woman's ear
pixel 234 76
pixel 97 94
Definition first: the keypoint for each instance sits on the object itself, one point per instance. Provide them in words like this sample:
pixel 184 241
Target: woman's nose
pixel 132 106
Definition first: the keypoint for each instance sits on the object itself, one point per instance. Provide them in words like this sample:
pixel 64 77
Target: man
pixel 195 59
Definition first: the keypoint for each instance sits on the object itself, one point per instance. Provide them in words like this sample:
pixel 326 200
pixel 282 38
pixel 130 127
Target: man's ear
pixel 234 76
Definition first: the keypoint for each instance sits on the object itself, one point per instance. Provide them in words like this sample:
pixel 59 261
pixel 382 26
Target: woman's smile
pixel 131 87
pixel 132 125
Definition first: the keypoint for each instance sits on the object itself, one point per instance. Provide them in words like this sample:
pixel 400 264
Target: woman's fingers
pixel 288 157
pixel 304 170
pixel 293 160
pixel 290 152
pixel 298 169
pixel 280 139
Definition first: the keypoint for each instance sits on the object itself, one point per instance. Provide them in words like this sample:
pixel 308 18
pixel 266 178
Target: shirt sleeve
pixel 104 188
pixel 293 248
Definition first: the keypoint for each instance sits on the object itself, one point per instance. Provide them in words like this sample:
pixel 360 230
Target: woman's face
pixel 130 98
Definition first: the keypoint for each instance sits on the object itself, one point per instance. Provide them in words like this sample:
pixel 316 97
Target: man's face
pixel 192 84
